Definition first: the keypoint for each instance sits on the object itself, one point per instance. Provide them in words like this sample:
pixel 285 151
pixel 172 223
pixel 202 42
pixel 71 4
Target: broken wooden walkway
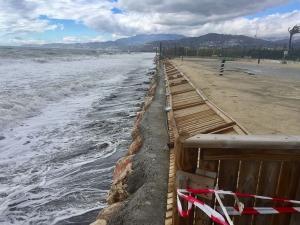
pixel 191 114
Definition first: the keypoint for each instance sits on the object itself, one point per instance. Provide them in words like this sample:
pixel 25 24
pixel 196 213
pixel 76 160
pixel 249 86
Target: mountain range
pixel 131 43
pixel 152 41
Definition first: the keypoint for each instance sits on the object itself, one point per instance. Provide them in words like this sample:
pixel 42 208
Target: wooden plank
pixel 244 141
pixel 179 89
pixel 199 128
pixel 184 179
pixel 190 93
pixel 210 169
pixel 185 160
pixel 206 173
pixel 250 154
pixel 186 95
pixel 177 82
pixel 249 173
pixel 169 221
pixel 287 188
pixel 191 110
pixel 190 133
pixel 295 218
pixel 201 124
pixel 178 79
pixel 226 130
pixel 173 73
pixel 170 196
pixel 190 101
pixel 195 115
pixel 227 179
pixel 173 77
pixel 198 120
pixel 267 187
pixel 185 105
pixel 222 126
pixel 239 130
pixel 195 181
pixel 187 100
pixel 198 91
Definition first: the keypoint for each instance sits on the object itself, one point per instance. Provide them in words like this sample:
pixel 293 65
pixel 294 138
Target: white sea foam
pixel 64 121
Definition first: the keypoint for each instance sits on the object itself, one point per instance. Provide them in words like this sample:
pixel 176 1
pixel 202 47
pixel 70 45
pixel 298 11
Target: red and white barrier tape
pixel 217 217
pixel 211 213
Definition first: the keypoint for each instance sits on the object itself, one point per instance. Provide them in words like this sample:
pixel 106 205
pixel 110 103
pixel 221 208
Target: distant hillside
pixel 151 41
pixel 131 43
pixel 143 39
pixel 285 42
pixel 214 40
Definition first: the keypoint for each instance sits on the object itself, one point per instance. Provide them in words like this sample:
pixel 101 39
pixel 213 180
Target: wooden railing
pixel 262 165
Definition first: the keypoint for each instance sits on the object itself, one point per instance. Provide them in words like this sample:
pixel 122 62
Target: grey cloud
pixel 21 7
pixel 203 7
pixel 189 17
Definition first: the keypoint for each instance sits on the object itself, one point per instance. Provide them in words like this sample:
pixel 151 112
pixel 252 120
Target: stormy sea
pixel 65 119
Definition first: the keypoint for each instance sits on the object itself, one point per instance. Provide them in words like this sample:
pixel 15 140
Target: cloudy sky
pixel 47 21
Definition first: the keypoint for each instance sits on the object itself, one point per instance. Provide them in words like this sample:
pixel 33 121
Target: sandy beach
pixel 264 98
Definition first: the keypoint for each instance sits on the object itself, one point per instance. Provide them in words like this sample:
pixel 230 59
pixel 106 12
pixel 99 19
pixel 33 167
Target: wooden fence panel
pixel 287 188
pixel 255 169
pixel 228 174
pixel 267 187
pixel 207 169
pixel 247 183
pixel 295 218
pixel 185 160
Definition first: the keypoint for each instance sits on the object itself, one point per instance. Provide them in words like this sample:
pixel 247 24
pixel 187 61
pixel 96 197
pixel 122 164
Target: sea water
pixel 65 119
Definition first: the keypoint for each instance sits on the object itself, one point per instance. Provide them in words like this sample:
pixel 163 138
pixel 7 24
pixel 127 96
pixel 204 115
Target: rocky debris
pixel 135 131
pixel 135 145
pixel 123 167
pixel 99 222
pixel 152 90
pixel 117 192
pixel 106 213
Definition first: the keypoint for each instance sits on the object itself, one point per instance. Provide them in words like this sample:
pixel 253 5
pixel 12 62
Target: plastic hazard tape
pixel 214 215
pixel 217 216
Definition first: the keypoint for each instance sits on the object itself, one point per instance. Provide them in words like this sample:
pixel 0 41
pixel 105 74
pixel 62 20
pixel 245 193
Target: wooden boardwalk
pixel 190 114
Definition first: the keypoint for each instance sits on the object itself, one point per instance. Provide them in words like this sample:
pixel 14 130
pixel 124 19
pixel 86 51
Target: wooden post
pixel 185 160
pixel 222 67
pixel 160 50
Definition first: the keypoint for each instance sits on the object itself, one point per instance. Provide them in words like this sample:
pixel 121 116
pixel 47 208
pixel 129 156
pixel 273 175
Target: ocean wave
pixel 65 123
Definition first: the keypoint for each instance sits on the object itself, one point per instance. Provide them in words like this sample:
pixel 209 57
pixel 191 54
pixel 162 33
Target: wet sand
pixel 267 102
